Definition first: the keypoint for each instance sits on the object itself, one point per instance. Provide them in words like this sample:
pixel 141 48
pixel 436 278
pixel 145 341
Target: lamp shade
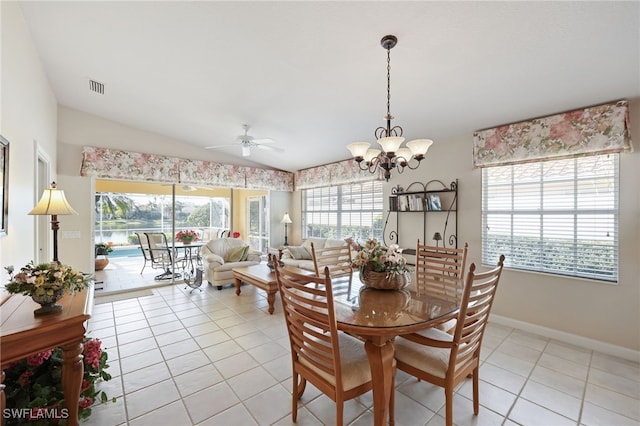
pixel 53 202
pixel 286 218
pixel 391 143
pixel 419 146
pixel 358 149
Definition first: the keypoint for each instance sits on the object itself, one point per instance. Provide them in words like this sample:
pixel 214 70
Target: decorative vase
pixel 101 263
pixel 383 280
pixel 48 303
pixel 186 242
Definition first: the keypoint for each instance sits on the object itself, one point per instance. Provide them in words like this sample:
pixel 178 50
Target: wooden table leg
pixel 72 373
pixel 380 353
pixel 238 283
pixel 271 300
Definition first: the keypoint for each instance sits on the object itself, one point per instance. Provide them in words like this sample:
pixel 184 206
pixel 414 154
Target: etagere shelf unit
pixel 438 205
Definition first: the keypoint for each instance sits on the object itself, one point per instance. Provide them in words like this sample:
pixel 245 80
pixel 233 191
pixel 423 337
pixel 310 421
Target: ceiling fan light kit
pixel 393 155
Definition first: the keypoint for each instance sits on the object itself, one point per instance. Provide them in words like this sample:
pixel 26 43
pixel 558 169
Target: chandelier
pixel 392 156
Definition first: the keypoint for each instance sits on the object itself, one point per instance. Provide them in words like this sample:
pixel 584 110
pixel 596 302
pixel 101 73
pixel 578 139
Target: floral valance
pixel 340 173
pixel 595 130
pixel 106 163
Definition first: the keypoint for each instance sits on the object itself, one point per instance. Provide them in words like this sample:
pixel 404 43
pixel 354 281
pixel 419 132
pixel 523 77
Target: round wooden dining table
pixel 378 317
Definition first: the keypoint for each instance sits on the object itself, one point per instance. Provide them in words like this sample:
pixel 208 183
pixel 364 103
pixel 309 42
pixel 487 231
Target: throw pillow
pixel 299 252
pixel 237 254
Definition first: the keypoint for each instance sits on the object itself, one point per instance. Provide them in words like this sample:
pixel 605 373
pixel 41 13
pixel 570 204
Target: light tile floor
pixel 214 358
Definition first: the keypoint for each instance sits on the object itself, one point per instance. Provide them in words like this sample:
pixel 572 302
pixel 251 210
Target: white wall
pixel 28 114
pixel 587 308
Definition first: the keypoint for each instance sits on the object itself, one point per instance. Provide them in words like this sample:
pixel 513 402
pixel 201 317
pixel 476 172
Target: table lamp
pixel 286 220
pixel 437 237
pixel 53 203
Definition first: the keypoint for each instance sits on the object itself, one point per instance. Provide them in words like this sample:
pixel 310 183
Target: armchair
pixel 221 255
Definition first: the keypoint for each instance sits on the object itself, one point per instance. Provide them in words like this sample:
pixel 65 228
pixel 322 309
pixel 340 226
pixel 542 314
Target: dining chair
pixel 445 360
pixel 439 272
pixel 334 362
pixel 336 258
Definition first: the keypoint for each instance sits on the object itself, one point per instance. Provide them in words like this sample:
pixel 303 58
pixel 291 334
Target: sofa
pixel 221 255
pixel 300 256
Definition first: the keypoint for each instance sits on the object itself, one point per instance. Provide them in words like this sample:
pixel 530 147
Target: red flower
pixel 38 359
pixel 92 352
pixel 85 402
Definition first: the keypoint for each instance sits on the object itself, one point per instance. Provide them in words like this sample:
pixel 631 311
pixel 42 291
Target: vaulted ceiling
pixel 312 75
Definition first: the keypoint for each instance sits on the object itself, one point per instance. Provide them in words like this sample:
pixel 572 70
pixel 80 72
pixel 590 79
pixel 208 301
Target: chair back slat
pixel 337 259
pixel 439 270
pixel 307 303
pixel 477 299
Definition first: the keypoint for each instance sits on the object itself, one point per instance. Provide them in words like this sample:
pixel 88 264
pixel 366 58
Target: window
pixel 258 222
pixel 343 211
pixel 559 216
pixel 120 215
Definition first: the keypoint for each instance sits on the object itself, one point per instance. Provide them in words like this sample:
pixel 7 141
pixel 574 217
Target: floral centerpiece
pixel 35 383
pixel 382 268
pixel 46 283
pixel 187 236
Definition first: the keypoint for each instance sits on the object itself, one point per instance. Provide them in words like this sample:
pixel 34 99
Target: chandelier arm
pixel 414 167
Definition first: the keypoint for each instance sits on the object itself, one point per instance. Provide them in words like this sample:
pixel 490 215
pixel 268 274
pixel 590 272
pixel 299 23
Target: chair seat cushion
pixel 429 359
pixel 355 365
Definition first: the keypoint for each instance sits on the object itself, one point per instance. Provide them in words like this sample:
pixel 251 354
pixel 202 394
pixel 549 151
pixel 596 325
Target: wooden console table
pixel 24 334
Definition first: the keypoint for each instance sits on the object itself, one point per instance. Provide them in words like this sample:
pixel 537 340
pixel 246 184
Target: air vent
pixel 97 87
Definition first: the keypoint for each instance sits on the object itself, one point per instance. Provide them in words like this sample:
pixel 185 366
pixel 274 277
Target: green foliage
pixel 35 383
pixel 46 279
pixel 103 248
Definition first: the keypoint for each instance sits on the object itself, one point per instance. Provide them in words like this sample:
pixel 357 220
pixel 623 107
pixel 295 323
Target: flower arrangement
pixel 380 268
pixel 378 259
pixel 187 236
pixel 46 279
pixel 35 383
pixel 104 248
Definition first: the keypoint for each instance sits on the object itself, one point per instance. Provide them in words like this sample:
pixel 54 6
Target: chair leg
pixel 392 402
pixel 294 398
pixel 339 413
pixel 476 394
pixel 448 393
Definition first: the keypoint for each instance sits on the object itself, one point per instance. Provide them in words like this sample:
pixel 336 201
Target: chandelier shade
pixel 393 154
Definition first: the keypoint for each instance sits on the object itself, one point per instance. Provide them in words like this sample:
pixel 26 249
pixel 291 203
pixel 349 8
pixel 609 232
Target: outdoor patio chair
pixel 161 255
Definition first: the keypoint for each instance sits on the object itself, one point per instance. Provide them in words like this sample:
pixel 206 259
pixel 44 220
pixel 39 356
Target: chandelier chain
pixel 388 82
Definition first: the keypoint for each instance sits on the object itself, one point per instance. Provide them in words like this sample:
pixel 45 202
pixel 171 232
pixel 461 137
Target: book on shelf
pixel 434 202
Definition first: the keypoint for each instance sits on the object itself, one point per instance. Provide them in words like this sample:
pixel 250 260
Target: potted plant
pixel 102 251
pixel 34 383
pixel 46 283
pixel 187 236
pixel 381 268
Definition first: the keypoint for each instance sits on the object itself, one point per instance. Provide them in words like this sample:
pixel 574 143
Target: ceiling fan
pixel 246 142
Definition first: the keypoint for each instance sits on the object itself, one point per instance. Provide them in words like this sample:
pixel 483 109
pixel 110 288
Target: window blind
pixel 557 216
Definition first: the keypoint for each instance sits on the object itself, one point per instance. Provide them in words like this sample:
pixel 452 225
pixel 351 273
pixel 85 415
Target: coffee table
pixel 259 276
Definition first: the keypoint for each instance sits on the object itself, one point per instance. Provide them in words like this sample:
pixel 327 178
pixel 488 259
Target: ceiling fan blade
pixel 270 148
pixel 219 146
pixel 263 140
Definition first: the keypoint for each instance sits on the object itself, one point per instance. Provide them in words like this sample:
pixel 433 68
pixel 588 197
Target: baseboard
pixel 596 345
